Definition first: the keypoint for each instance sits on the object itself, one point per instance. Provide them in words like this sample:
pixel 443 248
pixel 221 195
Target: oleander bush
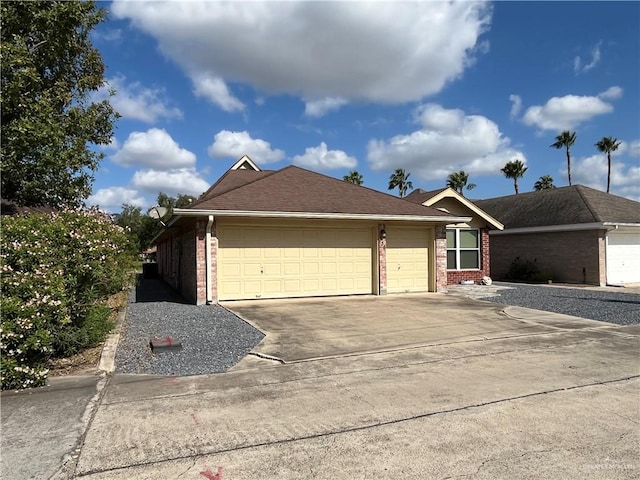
pixel 57 272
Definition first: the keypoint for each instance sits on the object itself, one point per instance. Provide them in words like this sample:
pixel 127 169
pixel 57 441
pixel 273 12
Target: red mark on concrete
pixel 195 418
pixel 212 476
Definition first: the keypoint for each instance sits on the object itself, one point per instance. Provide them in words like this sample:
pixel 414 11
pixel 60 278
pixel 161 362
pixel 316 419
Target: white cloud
pixel 612 93
pixel 578 66
pixel 155 149
pixel 112 35
pixel 136 102
pixel 516 106
pixel 634 148
pixel 180 180
pixel 448 140
pixel 316 50
pixel 321 158
pixel 235 144
pixel 566 113
pixel 114 197
pixel 592 171
pixel 318 108
pixel 216 91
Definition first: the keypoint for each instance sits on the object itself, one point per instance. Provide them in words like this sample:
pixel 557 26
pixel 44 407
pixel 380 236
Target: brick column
pixel 201 262
pixel 441 258
pixel 485 256
pixel 382 261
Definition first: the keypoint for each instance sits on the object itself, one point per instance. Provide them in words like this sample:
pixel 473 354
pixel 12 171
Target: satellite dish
pixel 157 212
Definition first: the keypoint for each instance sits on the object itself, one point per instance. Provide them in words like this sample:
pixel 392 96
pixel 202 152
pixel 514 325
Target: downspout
pixel 207 262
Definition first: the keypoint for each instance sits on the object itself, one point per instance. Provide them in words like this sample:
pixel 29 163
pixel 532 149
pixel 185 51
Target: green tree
pixel 353 177
pixel 565 140
pixel 50 72
pixel 140 228
pixel 458 181
pixel 545 182
pixel 400 180
pixel 170 203
pixel 514 169
pixel 608 145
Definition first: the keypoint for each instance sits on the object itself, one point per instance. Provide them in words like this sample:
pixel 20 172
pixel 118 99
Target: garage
pixel 280 262
pixel 623 256
pixel 407 260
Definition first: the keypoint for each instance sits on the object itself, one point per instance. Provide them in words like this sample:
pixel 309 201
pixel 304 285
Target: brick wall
pixel 572 257
pixel 382 262
pixel 186 270
pixel 200 259
pixel 456 276
pixel 441 258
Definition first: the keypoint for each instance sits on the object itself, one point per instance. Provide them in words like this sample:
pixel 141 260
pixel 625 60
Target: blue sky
pixel 430 87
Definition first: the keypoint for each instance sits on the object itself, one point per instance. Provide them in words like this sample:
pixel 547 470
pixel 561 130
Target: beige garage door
pixel 259 262
pixel 407 260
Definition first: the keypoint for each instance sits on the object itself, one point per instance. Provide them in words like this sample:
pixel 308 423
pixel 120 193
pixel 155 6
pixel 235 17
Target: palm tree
pixel 400 179
pixel 566 139
pixel 608 145
pixel 353 177
pixel 458 180
pixel 514 169
pixel 545 182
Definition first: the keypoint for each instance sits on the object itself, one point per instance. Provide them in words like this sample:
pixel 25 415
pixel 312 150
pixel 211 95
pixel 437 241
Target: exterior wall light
pixel 383 234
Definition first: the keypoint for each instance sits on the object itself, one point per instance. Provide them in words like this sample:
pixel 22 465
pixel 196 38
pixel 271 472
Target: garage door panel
pixel 407 260
pixel 290 262
pixel 623 257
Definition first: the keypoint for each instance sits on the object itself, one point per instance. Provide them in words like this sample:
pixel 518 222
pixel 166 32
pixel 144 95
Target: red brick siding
pixel 572 257
pixel 200 262
pixel 441 258
pixel 187 285
pixel 382 262
pixel 456 276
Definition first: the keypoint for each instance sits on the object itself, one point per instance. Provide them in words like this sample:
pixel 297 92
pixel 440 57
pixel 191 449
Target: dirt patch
pixel 86 362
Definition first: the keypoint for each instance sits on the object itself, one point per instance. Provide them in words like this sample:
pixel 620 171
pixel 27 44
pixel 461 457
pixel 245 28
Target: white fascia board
pixel 621 225
pixel 178 212
pixel 451 193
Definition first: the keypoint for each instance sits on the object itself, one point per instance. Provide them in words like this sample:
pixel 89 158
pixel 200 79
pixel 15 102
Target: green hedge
pixel 57 271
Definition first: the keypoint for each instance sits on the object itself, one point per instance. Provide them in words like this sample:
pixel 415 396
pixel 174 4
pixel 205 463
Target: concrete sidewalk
pixel 42 428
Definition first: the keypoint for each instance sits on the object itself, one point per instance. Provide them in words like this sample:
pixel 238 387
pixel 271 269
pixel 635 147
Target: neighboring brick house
pixel 468 254
pixel 297 233
pixel 573 234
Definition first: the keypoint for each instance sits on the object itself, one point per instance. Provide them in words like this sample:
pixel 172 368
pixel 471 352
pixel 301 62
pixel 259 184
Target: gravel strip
pixel 213 339
pixel 615 307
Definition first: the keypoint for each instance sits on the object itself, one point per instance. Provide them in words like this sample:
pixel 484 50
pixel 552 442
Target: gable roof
pixel 572 205
pixel 432 197
pixel 420 196
pixel 294 191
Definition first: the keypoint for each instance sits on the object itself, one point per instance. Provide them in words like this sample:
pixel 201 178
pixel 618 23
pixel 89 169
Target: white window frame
pixel 457 249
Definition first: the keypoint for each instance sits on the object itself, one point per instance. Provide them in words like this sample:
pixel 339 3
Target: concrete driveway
pixel 307 329
pixel 467 392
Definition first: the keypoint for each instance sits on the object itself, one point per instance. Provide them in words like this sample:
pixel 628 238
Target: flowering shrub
pixel 57 271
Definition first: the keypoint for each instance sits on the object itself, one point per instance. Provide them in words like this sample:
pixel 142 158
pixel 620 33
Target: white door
pixel 623 257
pixel 281 262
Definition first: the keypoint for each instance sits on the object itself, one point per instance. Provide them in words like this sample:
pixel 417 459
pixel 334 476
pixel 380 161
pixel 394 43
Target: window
pixel 463 249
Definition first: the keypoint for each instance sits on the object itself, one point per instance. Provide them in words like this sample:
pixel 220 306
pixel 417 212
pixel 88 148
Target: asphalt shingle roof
pixel 421 196
pixel 561 206
pixel 296 190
